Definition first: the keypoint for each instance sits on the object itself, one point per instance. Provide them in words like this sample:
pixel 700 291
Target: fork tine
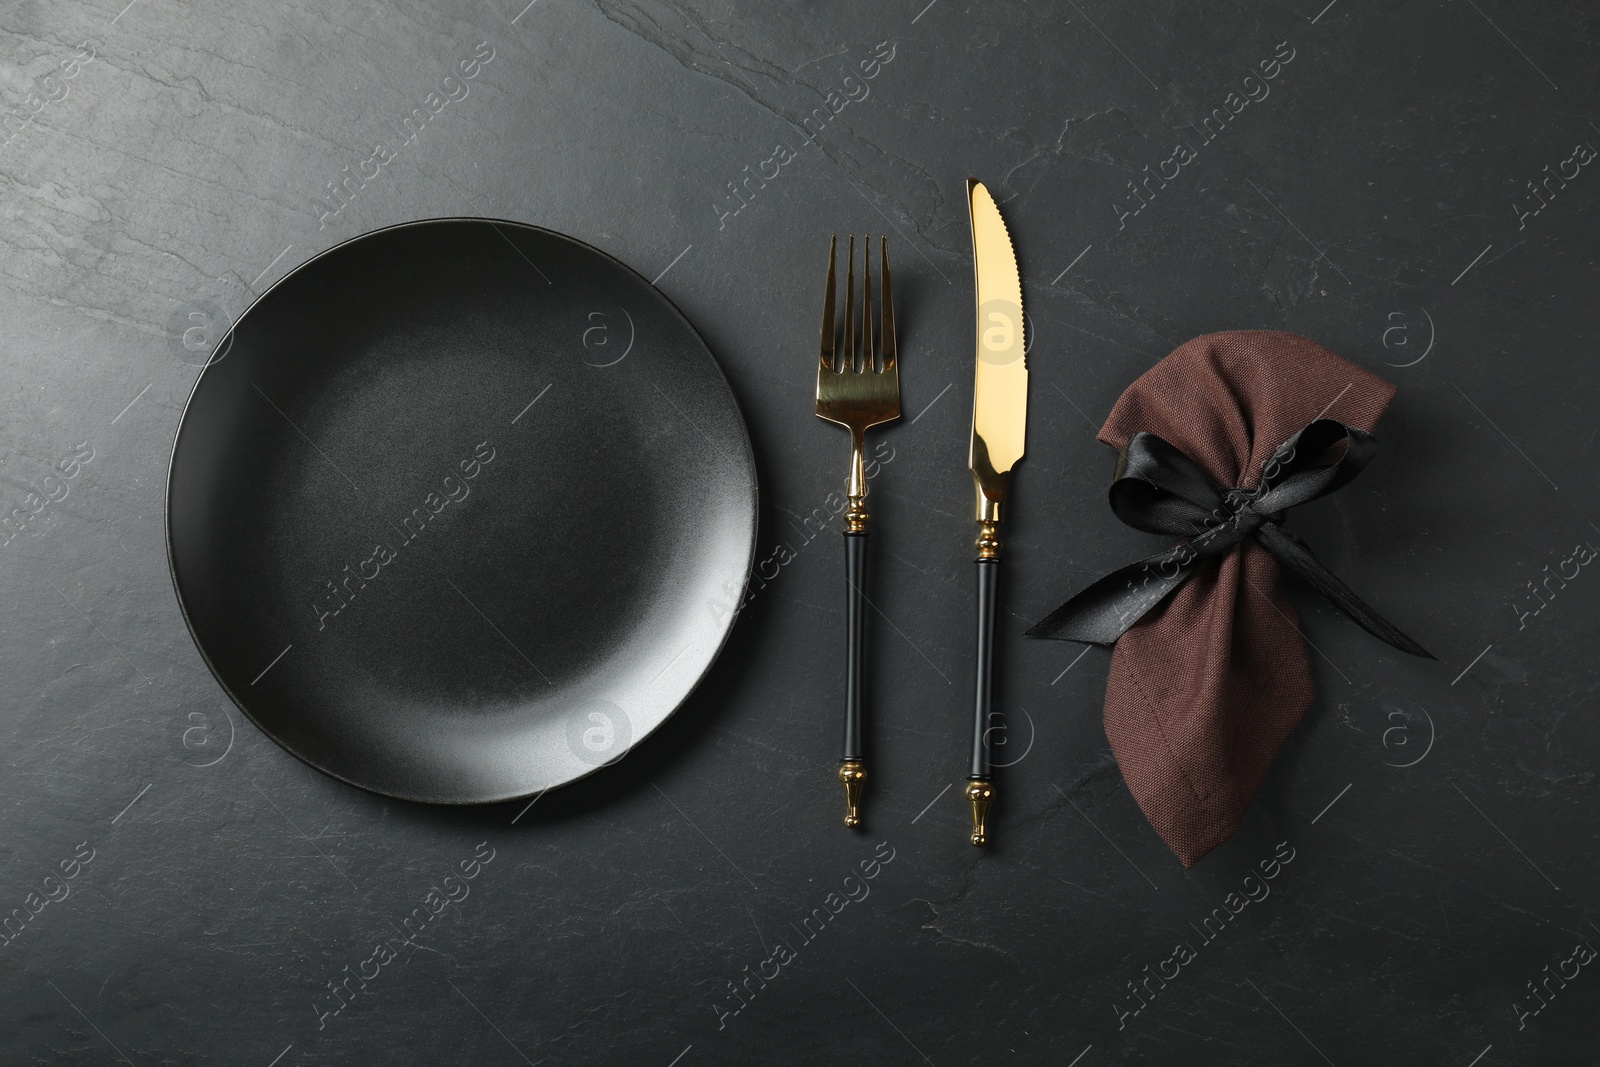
pixel 868 352
pixel 828 350
pixel 888 310
pixel 850 306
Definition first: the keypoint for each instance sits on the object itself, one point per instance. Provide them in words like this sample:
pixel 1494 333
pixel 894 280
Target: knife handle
pixel 851 771
pixel 980 784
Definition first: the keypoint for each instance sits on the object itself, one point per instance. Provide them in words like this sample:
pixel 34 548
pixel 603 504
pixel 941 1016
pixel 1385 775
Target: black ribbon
pixel 1159 489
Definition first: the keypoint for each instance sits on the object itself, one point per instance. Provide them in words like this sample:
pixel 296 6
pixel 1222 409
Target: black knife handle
pixel 851 771
pixel 988 579
pixel 980 785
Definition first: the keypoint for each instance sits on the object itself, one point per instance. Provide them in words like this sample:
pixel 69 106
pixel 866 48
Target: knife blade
pixel 999 439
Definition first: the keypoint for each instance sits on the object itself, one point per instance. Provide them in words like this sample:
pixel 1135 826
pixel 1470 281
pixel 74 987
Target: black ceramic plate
pixel 460 510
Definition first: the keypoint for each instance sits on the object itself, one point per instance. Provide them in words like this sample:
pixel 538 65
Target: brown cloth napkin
pixel 1205 689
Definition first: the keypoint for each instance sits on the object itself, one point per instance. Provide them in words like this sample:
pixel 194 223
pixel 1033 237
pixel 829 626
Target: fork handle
pixel 980 777
pixel 851 771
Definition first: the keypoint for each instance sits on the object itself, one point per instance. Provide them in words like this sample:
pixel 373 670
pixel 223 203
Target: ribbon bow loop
pixel 1158 489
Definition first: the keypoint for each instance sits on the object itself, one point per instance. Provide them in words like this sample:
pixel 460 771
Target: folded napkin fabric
pixel 1209 673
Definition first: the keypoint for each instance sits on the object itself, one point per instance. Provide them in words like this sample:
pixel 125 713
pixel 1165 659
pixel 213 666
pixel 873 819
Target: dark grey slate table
pixel 1411 186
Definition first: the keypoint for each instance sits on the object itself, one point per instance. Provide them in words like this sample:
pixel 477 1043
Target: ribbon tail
pixel 1293 553
pixel 1103 612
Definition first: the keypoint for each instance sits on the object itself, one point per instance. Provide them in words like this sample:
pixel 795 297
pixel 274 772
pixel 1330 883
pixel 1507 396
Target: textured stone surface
pixel 1373 196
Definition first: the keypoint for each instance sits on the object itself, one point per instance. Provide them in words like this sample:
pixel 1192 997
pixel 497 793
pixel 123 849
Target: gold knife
pixel 999 434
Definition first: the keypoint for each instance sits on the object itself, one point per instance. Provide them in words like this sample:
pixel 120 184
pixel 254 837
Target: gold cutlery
pixel 858 387
pixel 999 432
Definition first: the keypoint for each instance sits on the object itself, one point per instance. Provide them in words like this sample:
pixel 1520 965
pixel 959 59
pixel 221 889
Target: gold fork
pixel 857 390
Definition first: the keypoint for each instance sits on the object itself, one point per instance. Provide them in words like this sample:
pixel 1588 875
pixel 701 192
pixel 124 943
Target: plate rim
pixel 458 801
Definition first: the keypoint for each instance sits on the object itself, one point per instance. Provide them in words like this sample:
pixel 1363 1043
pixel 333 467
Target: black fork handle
pixel 851 770
pixel 855 571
